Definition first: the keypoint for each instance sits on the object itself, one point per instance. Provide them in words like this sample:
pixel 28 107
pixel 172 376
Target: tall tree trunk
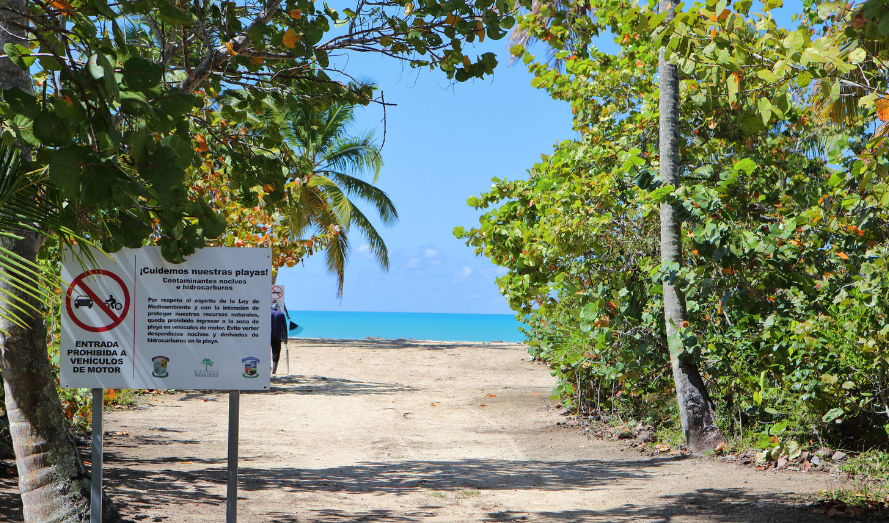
pixel 53 480
pixel 54 483
pixel 695 408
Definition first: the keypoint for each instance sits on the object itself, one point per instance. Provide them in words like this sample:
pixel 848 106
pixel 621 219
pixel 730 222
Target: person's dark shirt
pixel 279 326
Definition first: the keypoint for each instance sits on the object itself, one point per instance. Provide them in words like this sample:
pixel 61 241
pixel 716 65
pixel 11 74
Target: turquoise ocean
pixel 394 325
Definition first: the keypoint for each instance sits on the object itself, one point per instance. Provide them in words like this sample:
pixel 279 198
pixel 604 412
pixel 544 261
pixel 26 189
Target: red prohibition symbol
pixel 91 298
pixel 277 292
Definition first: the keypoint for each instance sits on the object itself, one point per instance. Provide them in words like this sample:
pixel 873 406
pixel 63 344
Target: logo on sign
pixel 160 366
pixel 250 367
pixel 206 373
pixel 87 305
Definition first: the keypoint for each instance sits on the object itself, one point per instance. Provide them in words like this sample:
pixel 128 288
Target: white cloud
pixel 464 273
pixel 413 263
pixel 430 253
pixel 363 248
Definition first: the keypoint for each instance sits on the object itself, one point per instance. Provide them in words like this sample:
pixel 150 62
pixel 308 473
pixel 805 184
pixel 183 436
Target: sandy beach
pixel 409 431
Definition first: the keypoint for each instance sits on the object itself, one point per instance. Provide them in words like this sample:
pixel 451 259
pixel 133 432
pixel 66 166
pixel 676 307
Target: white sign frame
pixel 202 324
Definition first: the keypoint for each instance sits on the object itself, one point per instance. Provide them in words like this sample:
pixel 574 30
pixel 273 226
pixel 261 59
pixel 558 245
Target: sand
pixel 410 431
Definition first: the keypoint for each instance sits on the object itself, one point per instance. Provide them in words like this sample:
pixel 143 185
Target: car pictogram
pixel 83 301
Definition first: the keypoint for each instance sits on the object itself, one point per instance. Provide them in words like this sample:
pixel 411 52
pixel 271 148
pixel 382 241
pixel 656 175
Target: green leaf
pixel 857 56
pixel 836 179
pixel 162 168
pixel 321 56
pixel 133 102
pixel 49 63
pixel 19 55
pixel 747 165
pixel 589 311
pixel 779 428
pixel 175 103
pixel 98 67
pixel 794 40
pixel 733 85
pixel 767 75
pixel 21 103
pixel 804 79
pixel 102 7
pixel 139 74
pixel 762 442
pixel 184 150
pixel 65 168
pixel 832 414
pixel 173 16
pixel 68 109
pixel 751 124
pixel 213 224
pixel 827 8
pixel 51 129
pixel 97 179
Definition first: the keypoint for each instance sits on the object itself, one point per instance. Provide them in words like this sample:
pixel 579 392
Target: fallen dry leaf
pixel 490 395
pixel 187 462
pixel 483 405
pixel 433 405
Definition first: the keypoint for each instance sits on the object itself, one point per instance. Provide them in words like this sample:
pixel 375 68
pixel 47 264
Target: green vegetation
pixel 138 123
pixel 783 199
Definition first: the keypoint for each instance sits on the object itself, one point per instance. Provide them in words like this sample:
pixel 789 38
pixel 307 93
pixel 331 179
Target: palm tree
pixel 332 162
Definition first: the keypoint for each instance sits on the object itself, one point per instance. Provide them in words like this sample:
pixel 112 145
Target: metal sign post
pixel 288 355
pixel 231 495
pixel 96 467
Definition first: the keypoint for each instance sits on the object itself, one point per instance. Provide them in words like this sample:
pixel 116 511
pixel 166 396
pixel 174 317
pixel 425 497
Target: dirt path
pixel 415 432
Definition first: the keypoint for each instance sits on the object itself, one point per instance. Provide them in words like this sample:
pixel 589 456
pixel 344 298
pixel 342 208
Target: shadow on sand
pixel 142 490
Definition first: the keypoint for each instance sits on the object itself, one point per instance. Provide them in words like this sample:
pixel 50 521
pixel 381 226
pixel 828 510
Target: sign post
pixel 96 459
pixel 136 321
pixel 231 491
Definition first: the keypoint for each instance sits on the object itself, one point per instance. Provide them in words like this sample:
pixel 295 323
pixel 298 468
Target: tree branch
pixel 218 55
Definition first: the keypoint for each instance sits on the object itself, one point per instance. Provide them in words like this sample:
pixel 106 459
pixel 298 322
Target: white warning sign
pixel 136 321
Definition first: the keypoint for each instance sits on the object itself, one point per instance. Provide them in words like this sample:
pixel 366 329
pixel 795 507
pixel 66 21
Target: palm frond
pixel 338 202
pixel 336 255
pixel 375 241
pixel 355 187
pixel 358 154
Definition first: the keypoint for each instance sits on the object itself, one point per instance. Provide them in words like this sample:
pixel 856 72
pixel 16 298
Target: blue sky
pixel 444 143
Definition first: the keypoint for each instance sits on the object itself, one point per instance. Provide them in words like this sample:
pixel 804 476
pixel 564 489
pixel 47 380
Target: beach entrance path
pixel 409 431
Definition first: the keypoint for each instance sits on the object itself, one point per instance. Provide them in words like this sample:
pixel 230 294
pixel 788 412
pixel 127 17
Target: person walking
pixel 279 334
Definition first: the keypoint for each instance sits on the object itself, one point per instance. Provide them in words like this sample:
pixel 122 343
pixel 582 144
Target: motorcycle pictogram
pixel 113 304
